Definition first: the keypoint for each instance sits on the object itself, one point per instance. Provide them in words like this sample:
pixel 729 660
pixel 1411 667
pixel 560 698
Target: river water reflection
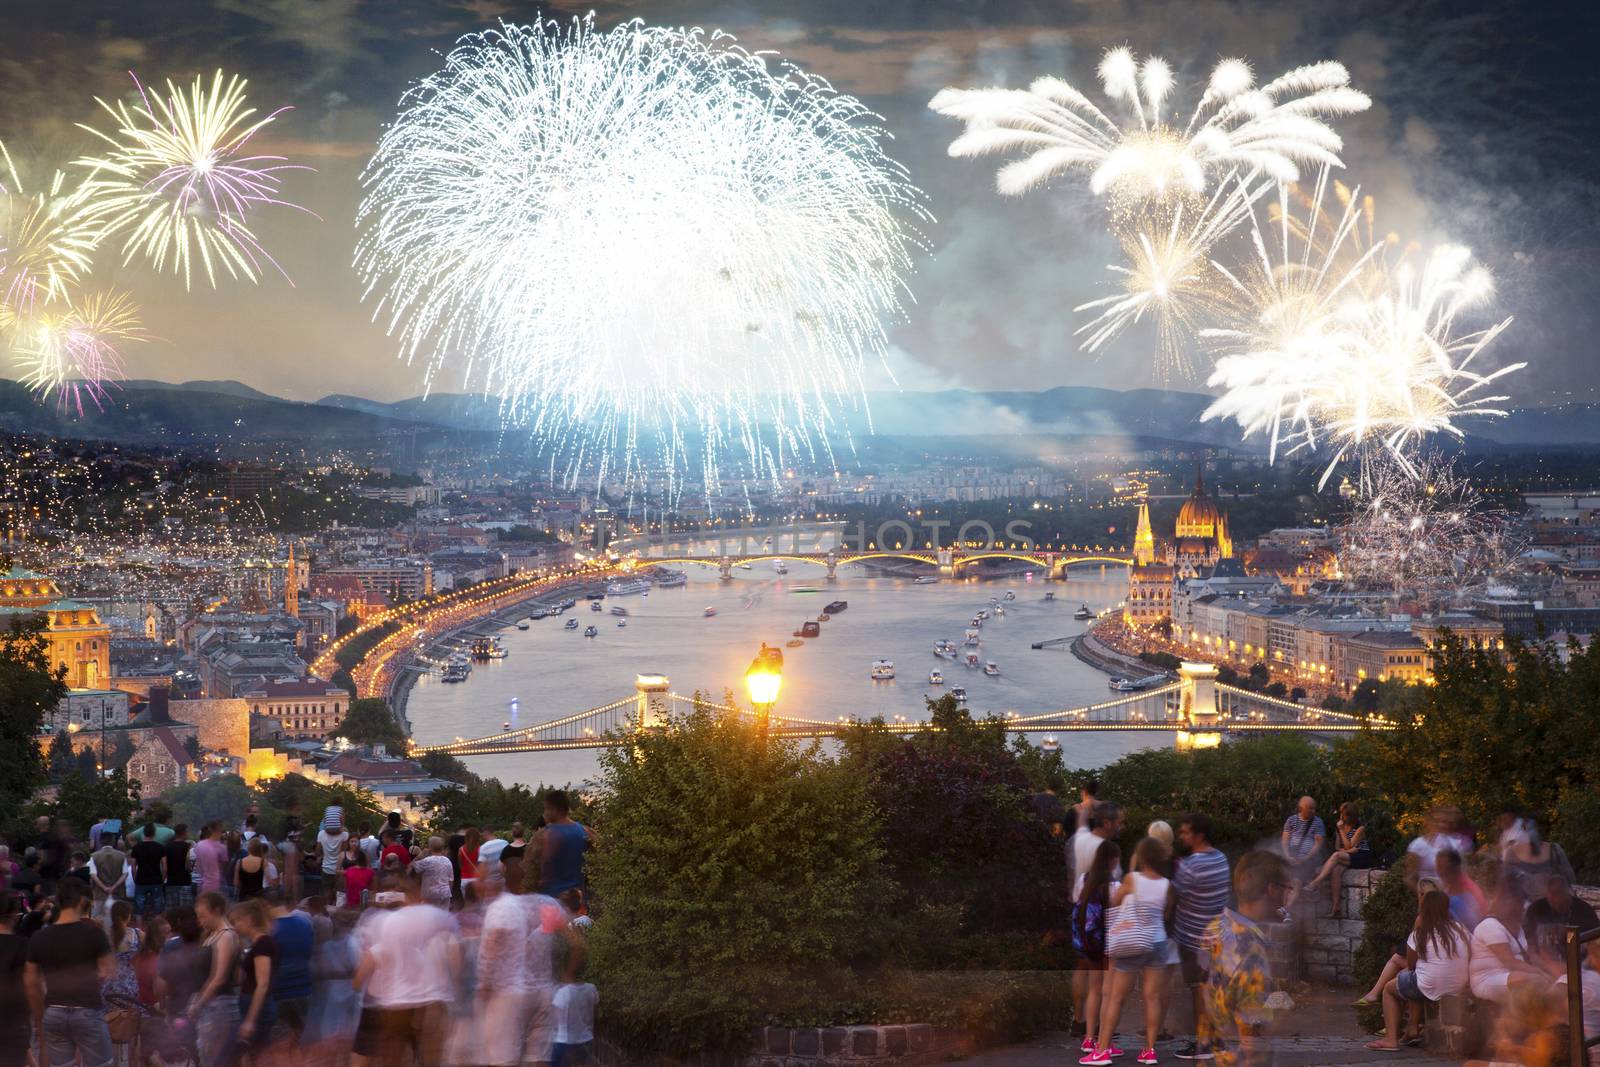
pixel 552 672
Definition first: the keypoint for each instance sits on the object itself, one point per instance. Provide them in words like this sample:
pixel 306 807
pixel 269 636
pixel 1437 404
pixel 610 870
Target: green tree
pixel 738 874
pixel 369 721
pixel 224 798
pixel 299 796
pixel 443 765
pixel 491 805
pixel 82 801
pixel 29 691
pixel 61 760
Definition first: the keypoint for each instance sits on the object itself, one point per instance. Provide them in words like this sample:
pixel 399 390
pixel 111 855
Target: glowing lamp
pixel 764 679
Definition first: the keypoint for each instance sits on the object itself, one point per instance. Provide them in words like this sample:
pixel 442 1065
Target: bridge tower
pixel 1198 704
pixel 654 704
pixel 726 566
pixel 947 562
pixel 833 565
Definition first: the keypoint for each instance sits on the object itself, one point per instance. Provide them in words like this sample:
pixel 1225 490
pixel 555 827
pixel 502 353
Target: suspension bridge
pixel 1196 707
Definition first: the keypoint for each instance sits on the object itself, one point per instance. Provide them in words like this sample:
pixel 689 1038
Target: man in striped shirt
pixel 1202 885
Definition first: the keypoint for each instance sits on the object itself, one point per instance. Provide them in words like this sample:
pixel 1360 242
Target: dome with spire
pixel 1200 516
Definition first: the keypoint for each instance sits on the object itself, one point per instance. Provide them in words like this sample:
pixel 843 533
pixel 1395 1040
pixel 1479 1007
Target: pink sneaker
pixel 1147 1056
pixel 1095 1058
pixel 1114 1052
pixel 1087 1046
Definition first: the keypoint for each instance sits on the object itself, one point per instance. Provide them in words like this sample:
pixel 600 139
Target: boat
pixel 1051 595
pixel 935 677
pixel 767 544
pixel 505 726
pixel 1011 594
pixel 538 613
pixel 793 642
pixel 452 675
pixel 835 607
pixel 628 587
pixel 1134 685
pixel 621 623
pixel 944 649
pixel 882 670
pixel 1050 744
pixel 994 600
pixel 590 631
pixel 809 628
pixel 595 605
pixel 1083 612
pixel 496 649
pixel 992 669
pixel 971 637
pixel 565 604
pixel 710 612
pixel 804 589
pixel 976 623
pixel 523 625
pixel 927 579
pixel 572 624
pixel 620 611
pixel 959 692
pixel 824 618
pixel 972 661
pixel 482 648
pixel 747 566
pixel 981 615
pixel 594 596
pixel 999 611
pixel 671 579
pixel 779 567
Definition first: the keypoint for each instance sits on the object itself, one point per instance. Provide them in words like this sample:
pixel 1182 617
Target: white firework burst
pixel 641 233
pixel 1273 129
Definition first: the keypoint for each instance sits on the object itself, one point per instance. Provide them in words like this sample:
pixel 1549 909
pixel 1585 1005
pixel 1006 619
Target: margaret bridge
pixel 1198 709
pixel 947 561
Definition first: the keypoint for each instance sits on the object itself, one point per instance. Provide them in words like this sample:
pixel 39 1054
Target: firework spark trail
pixel 642 232
pixel 1339 344
pixel 44 242
pixel 1272 129
pixel 69 347
pixel 176 183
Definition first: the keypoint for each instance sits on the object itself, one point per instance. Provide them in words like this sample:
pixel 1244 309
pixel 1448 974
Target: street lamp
pixel 763 680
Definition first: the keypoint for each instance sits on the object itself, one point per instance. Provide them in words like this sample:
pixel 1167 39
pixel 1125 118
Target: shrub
pixel 1389 913
pixel 738 879
pixel 1577 829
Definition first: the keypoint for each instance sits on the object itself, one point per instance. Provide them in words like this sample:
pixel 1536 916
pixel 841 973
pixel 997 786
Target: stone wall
pixel 1328 945
pixel 223 722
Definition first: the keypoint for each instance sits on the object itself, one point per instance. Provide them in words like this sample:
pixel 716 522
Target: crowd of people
pixel 1176 911
pixel 356 946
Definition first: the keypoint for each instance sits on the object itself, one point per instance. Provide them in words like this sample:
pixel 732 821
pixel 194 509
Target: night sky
pixel 1484 130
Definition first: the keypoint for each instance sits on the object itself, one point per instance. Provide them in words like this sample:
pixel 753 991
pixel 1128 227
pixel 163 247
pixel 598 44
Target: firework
pixel 176 182
pixel 1342 344
pixel 69 347
pixel 641 233
pixel 1421 527
pixel 44 244
pixel 1272 129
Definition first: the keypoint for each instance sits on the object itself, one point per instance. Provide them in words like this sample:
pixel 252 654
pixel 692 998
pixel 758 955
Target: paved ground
pixel 1320 1031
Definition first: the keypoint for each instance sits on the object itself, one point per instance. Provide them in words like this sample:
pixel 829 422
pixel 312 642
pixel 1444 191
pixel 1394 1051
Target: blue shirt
pixel 1202 886
pixel 296 940
pixel 1303 836
pixel 563 867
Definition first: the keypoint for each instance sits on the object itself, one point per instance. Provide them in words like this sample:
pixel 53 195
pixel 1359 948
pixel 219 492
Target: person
pixel 1302 838
pixel 108 867
pixel 249 833
pixel 515 973
pixel 1240 971
pixel 1531 861
pixel 122 988
pixel 467 858
pixel 1202 886
pixel 1089 937
pixel 565 842
pixel 149 873
pixel 573 1006
pixel 370 845
pixel 146 962
pixel 1436 967
pixel 330 850
pixel 1088 797
pixel 180 964
pixel 435 873
pixel 67 961
pixel 1422 854
pixel 211 859
pixel 215 1008
pixel 289 848
pixel 1547 918
pixel 250 873
pixel 392 848
pixel 252 920
pixel 1499 967
pixel 1351 852
pixel 1047 807
pixel 358 881
pixel 337 1007
pixel 295 938
pixel 180 883
pixel 1468 905
pixel 1150 892
pixel 402 833
pixel 15 1018
pixel 410 956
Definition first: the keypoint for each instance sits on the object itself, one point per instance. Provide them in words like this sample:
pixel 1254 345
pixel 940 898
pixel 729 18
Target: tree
pixel 222 799
pixel 61 761
pixel 84 801
pixel 1365 696
pixel 1277 689
pixel 369 721
pixel 29 691
pixel 490 804
pixel 443 765
pixel 1259 676
pixel 1297 694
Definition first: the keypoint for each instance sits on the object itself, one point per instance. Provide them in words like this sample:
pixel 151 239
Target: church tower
pixel 1144 542
pixel 291 586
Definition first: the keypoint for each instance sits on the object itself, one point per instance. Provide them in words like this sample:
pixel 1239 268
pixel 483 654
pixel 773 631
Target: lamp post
pixel 762 681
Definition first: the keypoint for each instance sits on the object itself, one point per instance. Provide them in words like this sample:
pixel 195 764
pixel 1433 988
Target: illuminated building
pixel 77 639
pixel 1200 541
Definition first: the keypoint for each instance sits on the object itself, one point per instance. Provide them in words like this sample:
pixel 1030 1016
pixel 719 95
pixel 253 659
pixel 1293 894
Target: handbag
pixel 123 1024
pixel 1129 931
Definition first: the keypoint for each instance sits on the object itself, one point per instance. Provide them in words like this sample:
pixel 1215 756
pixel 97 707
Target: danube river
pixel 552 672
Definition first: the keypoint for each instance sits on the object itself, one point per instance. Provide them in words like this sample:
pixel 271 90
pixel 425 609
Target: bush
pixel 988 1007
pixel 1165 660
pixel 1577 829
pixel 738 881
pixel 1389 914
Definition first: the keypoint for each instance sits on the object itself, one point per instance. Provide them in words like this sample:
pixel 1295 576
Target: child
pixel 573 1007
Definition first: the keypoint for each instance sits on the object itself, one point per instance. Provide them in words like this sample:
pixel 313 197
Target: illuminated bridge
pixel 947 561
pixel 1196 707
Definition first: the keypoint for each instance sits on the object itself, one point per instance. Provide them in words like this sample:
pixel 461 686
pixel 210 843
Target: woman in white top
pixel 1437 966
pixel 1147 884
pixel 1500 966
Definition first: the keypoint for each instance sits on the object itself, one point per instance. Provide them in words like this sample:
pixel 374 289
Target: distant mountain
pixel 226 387
pixel 466 411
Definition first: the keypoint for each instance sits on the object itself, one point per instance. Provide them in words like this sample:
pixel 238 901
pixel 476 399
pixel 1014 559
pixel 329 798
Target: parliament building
pixel 1200 540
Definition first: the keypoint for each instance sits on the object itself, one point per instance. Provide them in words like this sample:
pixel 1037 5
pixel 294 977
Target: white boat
pixel 620 611
pixel 1134 685
pixel 672 579
pixel 944 649
pixel 999 611
pixel 1011 594
pixel 927 579
pixel 453 675
pixel 496 649
pixel 627 587
pixel 505 726
pixel 747 566
pixel 1050 595
pixel 1083 612
pixel 959 692
pixel 971 637
pixel 992 669
pixel 621 623
pixel 882 670
pixel 972 661
pixel 595 605
pixel 710 612
pixel 572 624
pixel 994 600
pixel 523 625
pixel 590 631
pixel 1050 744
pixel 935 677
pixel 981 615
pixel 779 567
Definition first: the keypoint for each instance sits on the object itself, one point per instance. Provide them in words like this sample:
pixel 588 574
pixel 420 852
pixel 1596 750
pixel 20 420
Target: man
pixel 402 833
pixel 410 957
pixel 1202 885
pixel 67 962
pixel 1303 835
pixel 1547 918
pixel 565 842
pixel 1047 807
pixel 1241 974
pixel 516 971
pixel 330 850
pixel 1102 824
pixel 15 1013
pixel 291 978
pixel 211 859
pixel 370 845
pixel 108 868
pixel 1468 905
pixel 249 833
pixel 180 884
pixel 149 873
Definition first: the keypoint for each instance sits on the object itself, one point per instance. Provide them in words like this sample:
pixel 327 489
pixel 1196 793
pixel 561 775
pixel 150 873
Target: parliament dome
pixel 1199 516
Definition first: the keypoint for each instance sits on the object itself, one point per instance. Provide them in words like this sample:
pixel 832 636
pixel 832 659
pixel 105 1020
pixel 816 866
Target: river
pixel 552 672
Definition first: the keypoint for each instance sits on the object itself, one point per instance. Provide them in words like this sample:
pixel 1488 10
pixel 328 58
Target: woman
pixel 357 881
pixel 1397 957
pixel 1530 861
pixel 1147 888
pixel 183 966
pixel 517 847
pixel 252 919
pixel 1436 967
pixel 250 873
pixel 435 874
pixel 468 858
pixel 1351 852
pixel 1089 931
pixel 146 963
pixel 215 1009
pixel 1499 967
pixel 121 990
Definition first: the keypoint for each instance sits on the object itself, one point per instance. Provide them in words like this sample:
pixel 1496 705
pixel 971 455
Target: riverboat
pixel 882 670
